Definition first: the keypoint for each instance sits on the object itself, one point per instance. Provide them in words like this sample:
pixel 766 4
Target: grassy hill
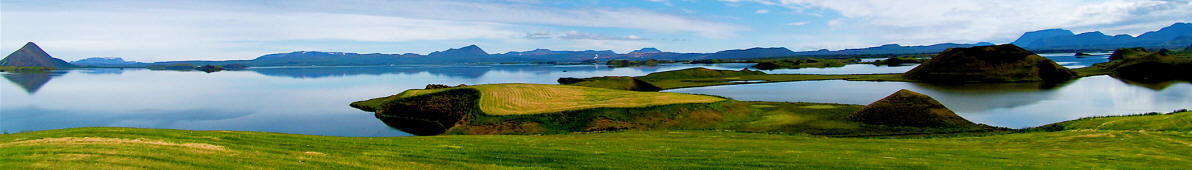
pixel 1000 63
pixel 101 148
pixel 522 99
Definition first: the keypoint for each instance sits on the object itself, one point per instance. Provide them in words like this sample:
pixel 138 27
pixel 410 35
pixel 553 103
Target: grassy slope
pixel 518 99
pixel 1167 122
pixel 178 149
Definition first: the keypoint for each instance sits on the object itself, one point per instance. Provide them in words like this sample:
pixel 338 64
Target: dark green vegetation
pixel 204 68
pixel 31 55
pixel 795 63
pixel 209 68
pixel 611 82
pixel 908 108
pixel 1083 148
pixel 696 77
pixel 24 69
pixel 894 61
pixel 1000 63
pixel 1138 64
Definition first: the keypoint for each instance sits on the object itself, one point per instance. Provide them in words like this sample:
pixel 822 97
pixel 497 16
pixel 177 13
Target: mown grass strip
pixel 1081 149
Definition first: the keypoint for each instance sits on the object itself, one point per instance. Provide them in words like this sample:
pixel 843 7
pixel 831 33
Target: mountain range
pixel 1178 35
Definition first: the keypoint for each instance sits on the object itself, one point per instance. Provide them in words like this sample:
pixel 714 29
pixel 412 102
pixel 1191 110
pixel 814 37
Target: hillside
pixel 1001 63
pixel 1180 121
pixel 31 55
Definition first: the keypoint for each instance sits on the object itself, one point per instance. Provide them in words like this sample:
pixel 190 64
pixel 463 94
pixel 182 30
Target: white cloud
pixel 801 23
pixel 936 21
pixel 577 35
pixel 761 11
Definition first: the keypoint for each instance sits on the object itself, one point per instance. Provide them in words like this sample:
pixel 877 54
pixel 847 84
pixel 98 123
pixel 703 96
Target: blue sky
pixel 220 30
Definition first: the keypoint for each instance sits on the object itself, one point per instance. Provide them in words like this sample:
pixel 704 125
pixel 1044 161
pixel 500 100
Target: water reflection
pixel 1070 60
pixel 31 82
pixel 1015 105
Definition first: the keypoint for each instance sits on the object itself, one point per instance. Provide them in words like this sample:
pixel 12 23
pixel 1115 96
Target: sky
pixel 163 30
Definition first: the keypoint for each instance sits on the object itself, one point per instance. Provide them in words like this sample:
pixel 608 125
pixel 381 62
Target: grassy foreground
pixel 92 148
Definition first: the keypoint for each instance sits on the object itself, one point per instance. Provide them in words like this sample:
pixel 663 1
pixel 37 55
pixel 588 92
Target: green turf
pixel 104 148
pixel 1180 121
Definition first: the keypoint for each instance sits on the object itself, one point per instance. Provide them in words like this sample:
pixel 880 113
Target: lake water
pixel 301 100
pixel 314 100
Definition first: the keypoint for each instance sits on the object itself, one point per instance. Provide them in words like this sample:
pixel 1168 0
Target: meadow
pixel 1078 148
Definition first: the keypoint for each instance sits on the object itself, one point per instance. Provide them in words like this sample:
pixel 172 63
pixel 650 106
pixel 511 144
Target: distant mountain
pixel 1176 36
pixel 105 62
pixel 1032 36
pixel 32 56
pixel 306 58
pixel 466 51
pixel 757 52
pixel 646 51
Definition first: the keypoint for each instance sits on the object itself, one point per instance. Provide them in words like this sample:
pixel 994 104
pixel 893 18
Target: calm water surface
pixel 302 100
pixel 314 100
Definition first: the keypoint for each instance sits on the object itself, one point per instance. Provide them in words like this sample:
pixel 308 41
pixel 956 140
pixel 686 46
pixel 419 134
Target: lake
pixel 300 100
pixel 314 100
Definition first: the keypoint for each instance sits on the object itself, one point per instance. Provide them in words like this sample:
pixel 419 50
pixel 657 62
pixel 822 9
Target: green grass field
pixel 1167 122
pixel 104 148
